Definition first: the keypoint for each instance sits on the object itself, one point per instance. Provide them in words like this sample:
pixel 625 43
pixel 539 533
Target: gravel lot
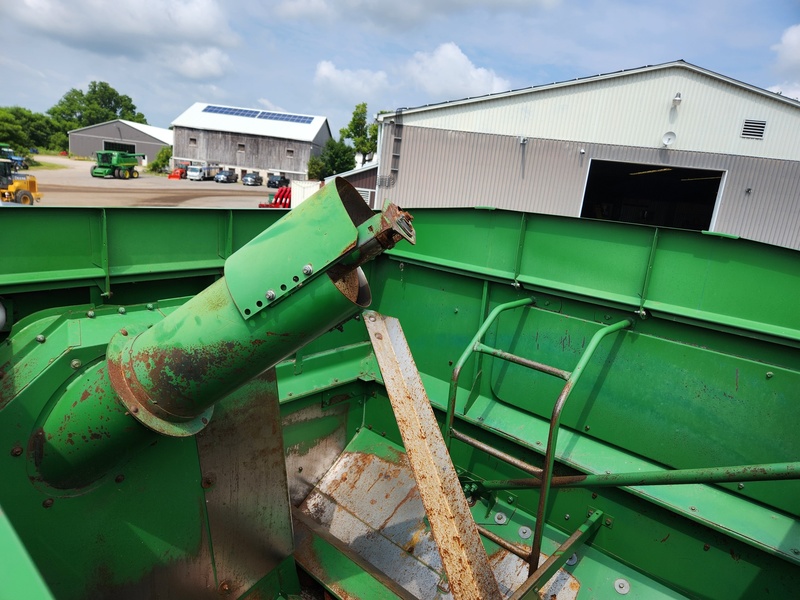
pixel 74 186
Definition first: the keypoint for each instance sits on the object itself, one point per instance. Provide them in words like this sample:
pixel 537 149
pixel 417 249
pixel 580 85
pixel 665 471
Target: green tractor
pixel 116 164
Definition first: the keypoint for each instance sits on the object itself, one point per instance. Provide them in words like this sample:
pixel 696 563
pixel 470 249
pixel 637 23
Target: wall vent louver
pixel 754 129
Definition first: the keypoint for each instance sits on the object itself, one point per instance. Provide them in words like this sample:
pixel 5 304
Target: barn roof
pixel 251 121
pixel 158 133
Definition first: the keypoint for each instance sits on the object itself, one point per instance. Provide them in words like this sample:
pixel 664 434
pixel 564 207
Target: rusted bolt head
pixel 706 547
pixel 16 451
pixel 123 331
pixel 135 410
pixel 208 481
pixel 378 336
pixel 41 339
pixel 225 587
pixel 48 502
pixel 119 478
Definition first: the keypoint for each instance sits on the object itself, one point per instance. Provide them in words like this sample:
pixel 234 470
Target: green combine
pixel 336 403
pixel 120 165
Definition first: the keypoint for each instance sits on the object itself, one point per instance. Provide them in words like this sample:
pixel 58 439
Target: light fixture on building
pixel 583 151
pixel 677 99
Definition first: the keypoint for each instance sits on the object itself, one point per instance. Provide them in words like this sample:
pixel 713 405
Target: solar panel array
pixel 258 114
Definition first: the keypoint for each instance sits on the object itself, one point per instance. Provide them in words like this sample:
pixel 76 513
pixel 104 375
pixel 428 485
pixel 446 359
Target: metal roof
pixel 580 80
pixel 159 133
pixel 215 117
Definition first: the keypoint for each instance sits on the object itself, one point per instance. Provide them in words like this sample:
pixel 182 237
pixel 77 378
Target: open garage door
pixel 651 194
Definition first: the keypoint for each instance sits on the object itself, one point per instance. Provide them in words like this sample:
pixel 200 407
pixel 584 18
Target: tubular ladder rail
pixel 543 477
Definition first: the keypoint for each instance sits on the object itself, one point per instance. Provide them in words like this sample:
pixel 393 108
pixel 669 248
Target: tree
pixel 36 127
pixel 364 137
pixel 161 160
pixel 336 157
pixel 11 130
pixel 99 104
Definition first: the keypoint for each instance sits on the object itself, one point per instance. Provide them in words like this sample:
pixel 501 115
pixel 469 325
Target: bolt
pixel 123 331
pixel 16 451
pixel 796 550
pixel 40 338
pixel 48 503
pixel 693 508
pixel 566 517
pixel 119 478
pixel 270 295
pixel 208 481
pixel 607 317
pixel 308 270
pixel 151 307
pixel 372 318
pixel 594 495
pixel 706 547
pixel 586 428
pixel 204 421
pixel 75 364
pixel 299 469
pixel 90 314
pixel 121 310
pixel 225 587
pixel 135 410
pixel 607 522
pixel 769 374
pixel 510 500
pixel 740 486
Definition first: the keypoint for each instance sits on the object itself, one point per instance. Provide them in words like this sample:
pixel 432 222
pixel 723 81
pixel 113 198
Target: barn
pixel 670 145
pixel 245 139
pixel 122 135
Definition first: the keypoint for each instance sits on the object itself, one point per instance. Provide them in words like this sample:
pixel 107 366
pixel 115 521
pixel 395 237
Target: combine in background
pixel 121 165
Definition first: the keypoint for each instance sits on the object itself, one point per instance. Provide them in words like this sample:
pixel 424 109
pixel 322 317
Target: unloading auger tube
pixel 295 281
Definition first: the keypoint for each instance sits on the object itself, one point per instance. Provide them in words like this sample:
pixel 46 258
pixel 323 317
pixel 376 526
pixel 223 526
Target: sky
pixel 322 57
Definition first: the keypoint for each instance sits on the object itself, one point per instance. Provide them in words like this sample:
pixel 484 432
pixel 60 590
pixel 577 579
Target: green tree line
pixel 23 129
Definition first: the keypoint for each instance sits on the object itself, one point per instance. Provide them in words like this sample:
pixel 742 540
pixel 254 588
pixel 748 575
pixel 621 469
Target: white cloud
pixel 360 83
pixel 788 51
pixel 186 36
pixel 196 63
pixel 447 73
pixel 406 13
pixel 790 89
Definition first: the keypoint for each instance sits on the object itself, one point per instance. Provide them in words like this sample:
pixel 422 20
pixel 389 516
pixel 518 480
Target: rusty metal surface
pixel 244 479
pixel 464 559
pixel 511 572
pixel 307 460
pixel 311 557
pixel 372 505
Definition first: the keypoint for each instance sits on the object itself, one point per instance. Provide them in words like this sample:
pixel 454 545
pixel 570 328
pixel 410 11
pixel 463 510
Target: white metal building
pixel 672 145
pixel 247 139
pixel 122 135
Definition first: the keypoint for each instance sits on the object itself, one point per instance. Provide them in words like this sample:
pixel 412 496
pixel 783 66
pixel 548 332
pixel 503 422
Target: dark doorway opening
pixel 651 194
pixel 119 147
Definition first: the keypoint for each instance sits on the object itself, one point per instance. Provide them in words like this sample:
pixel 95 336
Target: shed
pixel 671 145
pixel 119 134
pixel 246 139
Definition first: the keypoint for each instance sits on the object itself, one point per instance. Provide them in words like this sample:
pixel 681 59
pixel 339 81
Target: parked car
pixel 226 176
pixel 277 181
pixel 252 178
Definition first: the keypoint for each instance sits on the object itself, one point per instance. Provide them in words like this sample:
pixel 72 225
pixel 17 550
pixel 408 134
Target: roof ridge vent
pixel 753 129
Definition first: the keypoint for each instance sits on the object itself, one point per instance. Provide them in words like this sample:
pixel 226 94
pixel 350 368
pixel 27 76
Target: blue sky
pixel 322 57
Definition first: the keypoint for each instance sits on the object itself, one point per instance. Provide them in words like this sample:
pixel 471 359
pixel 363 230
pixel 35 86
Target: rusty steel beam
pixel 463 557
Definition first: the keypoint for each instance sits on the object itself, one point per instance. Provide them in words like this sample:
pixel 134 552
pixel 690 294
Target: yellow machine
pixel 14 187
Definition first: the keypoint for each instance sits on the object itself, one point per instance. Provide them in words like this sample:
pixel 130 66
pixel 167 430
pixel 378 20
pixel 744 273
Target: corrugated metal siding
pixel 633 110
pixel 87 141
pixel 440 168
pixel 261 154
